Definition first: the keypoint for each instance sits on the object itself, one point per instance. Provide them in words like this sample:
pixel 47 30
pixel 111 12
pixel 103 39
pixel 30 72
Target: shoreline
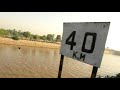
pixel 27 43
pixel 8 41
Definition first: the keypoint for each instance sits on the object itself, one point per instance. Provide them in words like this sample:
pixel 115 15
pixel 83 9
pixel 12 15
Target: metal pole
pixel 60 66
pixel 94 72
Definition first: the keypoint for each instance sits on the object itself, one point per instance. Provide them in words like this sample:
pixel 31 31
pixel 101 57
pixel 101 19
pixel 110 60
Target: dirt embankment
pixel 28 43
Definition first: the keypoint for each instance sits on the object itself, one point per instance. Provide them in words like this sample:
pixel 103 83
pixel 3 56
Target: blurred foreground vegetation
pixel 16 35
pixel 107 76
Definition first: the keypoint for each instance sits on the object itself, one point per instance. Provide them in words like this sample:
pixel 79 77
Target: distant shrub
pixel 15 38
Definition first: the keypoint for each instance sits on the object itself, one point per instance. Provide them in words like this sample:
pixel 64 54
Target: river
pixel 32 62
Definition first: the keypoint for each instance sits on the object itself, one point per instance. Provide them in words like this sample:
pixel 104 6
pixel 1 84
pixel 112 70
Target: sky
pixel 43 23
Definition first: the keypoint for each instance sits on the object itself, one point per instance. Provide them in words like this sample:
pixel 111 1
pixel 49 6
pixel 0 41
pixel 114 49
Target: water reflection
pixel 44 63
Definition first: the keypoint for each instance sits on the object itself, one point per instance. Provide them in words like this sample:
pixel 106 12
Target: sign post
pixel 85 42
pixel 60 66
pixel 94 72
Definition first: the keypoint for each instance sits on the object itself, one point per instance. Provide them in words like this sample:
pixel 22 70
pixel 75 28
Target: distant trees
pixel 50 37
pixel 35 37
pixel 16 35
pixel 58 38
pixel 3 33
pixel 43 37
pixel 26 34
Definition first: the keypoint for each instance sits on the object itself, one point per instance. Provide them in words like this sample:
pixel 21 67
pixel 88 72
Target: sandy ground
pixel 28 43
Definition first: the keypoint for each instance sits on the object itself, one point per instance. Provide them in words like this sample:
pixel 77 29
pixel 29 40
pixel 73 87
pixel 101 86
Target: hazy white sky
pixel 52 22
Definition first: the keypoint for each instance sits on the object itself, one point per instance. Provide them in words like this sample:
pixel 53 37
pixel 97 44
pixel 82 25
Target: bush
pixel 50 37
pixel 15 38
pixel 58 38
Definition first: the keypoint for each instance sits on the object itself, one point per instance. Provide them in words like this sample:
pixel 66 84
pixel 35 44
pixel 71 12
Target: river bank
pixel 9 41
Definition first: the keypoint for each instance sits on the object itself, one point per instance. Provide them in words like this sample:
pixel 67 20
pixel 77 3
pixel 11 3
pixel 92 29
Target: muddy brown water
pixel 32 62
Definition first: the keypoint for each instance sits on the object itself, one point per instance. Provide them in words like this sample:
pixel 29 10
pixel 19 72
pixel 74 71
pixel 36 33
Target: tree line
pixel 26 35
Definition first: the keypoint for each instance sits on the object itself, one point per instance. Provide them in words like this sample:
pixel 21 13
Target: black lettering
pixel 82 56
pixel 74 54
pixel 71 43
pixel 93 42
